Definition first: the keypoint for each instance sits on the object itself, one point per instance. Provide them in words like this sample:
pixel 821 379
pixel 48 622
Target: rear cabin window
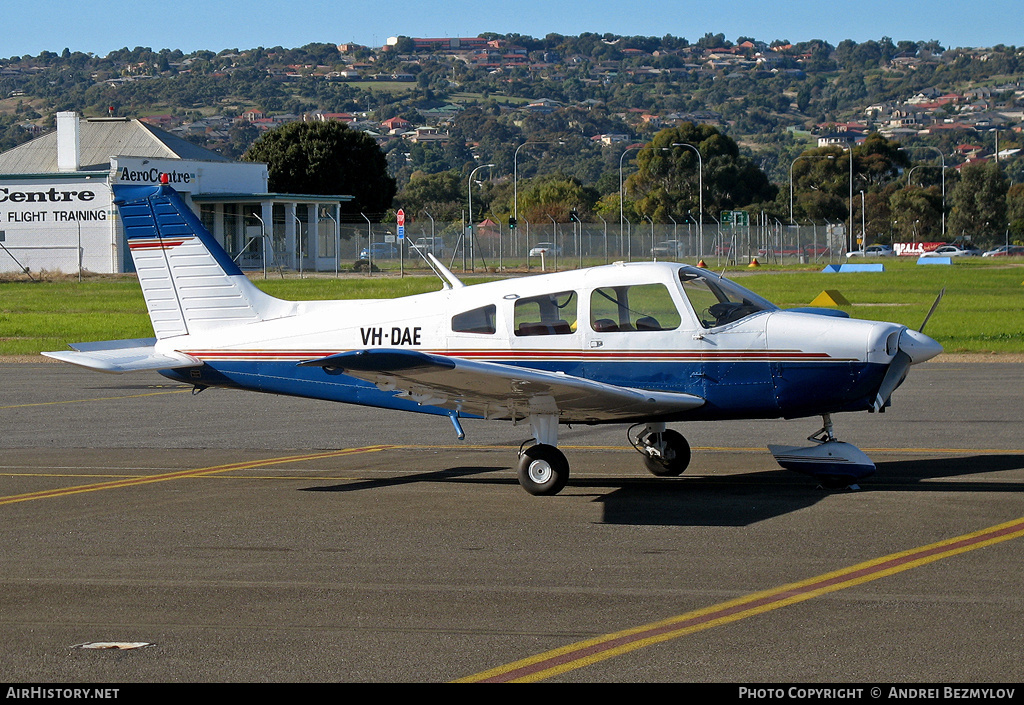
pixel 550 314
pixel 479 320
pixel 642 307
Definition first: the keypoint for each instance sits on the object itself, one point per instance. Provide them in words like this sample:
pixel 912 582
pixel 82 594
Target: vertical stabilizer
pixel 189 282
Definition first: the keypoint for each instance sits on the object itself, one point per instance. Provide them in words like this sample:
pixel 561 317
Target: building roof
pixel 101 139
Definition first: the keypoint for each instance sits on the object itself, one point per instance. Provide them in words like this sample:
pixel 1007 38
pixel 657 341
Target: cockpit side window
pixel 479 320
pixel 550 314
pixel 719 301
pixel 641 307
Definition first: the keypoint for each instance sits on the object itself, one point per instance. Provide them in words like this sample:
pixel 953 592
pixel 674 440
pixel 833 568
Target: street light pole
pixel 863 232
pixel 850 246
pixel 471 228
pixel 793 164
pixel 700 190
pixel 622 214
pixel 942 161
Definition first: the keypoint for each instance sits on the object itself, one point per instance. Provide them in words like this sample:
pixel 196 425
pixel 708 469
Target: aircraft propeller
pixel 914 347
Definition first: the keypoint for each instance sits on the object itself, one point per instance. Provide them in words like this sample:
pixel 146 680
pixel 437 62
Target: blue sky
pixel 100 27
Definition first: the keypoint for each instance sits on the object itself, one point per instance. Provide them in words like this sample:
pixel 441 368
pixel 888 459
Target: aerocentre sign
pixel 193 176
pixel 182 175
pixel 152 176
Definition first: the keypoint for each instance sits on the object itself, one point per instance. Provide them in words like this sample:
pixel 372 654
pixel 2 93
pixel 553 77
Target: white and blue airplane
pixel 640 343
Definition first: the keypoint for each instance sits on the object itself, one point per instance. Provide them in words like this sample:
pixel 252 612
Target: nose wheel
pixel 666 452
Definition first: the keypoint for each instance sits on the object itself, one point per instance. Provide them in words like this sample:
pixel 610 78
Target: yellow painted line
pixel 181 474
pixel 584 653
pixel 81 401
pixel 247 477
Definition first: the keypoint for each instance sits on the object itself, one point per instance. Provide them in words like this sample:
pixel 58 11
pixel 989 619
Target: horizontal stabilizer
pixel 119 356
pixel 494 390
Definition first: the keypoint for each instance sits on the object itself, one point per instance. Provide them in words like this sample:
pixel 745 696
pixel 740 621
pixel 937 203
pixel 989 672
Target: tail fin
pixel 189 282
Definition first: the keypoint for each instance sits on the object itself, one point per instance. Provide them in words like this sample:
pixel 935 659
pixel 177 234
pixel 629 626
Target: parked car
pixel 872 251
pixel 433 245
pixel 546 249
pixel 1005 251
pixel 669 248
pixel 379 250
pixel 953 251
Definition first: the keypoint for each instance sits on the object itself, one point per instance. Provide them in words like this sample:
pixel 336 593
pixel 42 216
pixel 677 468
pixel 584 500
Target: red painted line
pixel 156 244
pixel 502 356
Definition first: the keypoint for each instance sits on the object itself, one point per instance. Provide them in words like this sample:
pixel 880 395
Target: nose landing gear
pixel 832 462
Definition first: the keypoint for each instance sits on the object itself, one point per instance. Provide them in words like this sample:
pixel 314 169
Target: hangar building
pixel 57 212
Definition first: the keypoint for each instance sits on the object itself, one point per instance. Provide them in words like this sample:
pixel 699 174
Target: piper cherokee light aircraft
pixel 640 343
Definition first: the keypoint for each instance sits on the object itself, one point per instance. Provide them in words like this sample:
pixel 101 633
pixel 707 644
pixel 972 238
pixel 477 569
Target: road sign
pixel 736 218
pixel 401 217
pixel 401 232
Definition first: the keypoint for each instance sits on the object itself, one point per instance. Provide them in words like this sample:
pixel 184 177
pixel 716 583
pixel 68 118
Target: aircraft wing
pixel 118 356
pixel 498 391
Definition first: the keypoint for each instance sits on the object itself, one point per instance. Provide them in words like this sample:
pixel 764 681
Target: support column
pixel 218 226
pixel 291 253
pixel 267 215
pixel 313 227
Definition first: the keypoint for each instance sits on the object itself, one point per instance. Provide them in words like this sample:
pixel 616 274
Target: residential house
pixel 396 124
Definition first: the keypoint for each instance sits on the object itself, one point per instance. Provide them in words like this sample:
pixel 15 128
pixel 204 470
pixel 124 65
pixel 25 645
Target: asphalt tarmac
pixel 249 538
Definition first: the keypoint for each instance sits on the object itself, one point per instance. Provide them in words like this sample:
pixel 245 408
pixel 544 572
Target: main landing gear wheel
pixel 666 454
pixel 543 470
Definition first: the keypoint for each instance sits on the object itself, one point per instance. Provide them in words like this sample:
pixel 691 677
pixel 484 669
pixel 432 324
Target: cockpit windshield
pixel 718 301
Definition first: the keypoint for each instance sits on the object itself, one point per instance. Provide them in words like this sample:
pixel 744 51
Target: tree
pixel 821 177
pixel 879 160
pixel 442 195
pixel 326 158
pixel 554 196
pixel 669 177
pixel 979 204
pixel 916 213
pixel 1015 210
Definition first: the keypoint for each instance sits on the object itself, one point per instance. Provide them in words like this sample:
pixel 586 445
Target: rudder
pixel 189 282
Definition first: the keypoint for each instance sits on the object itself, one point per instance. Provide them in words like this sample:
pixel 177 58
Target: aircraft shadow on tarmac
pixel 459 474
pixel 747 498
pixel 734 500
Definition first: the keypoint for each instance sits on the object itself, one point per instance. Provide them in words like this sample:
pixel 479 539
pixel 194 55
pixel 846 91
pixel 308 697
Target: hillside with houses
pixel 415 90
pixel 437 105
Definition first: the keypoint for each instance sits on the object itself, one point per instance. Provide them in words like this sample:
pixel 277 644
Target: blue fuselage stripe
pixel 732 390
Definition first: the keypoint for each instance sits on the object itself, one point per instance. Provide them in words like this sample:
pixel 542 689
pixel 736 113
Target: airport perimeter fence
pixel 371 247
pixel 532 247
pixel 66 249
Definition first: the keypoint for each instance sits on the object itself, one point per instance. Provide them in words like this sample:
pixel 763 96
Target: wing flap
pixel 120 356
pixel 494 390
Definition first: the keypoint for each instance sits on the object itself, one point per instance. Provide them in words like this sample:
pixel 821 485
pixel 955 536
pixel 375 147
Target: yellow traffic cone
pixel 702 265
pixel 754 263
